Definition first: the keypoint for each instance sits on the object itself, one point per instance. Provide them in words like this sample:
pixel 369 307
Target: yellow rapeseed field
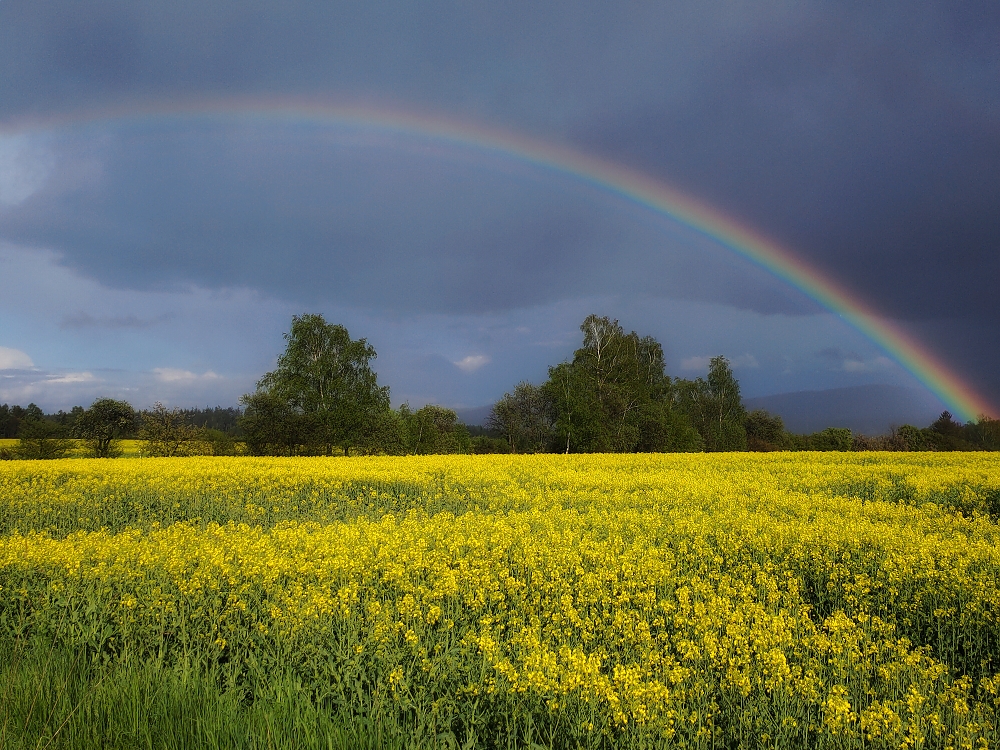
pixel 706 600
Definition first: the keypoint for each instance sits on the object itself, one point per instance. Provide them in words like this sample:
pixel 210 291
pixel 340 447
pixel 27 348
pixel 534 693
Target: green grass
pixel 59 698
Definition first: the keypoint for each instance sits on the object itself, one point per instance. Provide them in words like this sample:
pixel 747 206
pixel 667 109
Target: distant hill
pixel 475 415
pixel 868 409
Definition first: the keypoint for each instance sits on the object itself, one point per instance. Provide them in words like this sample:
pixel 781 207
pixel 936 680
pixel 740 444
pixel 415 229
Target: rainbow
pixel 606 176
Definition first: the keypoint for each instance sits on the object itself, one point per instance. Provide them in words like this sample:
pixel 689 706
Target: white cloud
pixel 871 365
pixel 174 375
pixel 472 363
pixel 73 377
pixel 50 389
pixel 14 359
pixel 695 363
pixel 24 168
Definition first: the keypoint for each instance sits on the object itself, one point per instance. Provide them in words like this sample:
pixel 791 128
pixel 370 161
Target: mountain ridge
pixel 866 409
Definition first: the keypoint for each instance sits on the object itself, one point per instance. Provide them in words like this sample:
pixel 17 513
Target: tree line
pixel 323 398
pixel 615 395
pixel 102 427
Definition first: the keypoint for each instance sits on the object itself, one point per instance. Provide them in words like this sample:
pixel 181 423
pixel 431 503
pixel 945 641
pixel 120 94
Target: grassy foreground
pixel 783 600
pixel 51 698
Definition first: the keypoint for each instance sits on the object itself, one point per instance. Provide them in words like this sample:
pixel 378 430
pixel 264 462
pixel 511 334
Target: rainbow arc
pixel 606 176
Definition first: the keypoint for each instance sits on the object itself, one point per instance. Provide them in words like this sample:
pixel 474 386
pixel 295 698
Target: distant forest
pixel 225 419
pixel 614 395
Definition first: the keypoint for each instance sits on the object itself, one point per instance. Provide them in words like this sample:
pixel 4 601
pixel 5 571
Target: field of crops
pixel 808 600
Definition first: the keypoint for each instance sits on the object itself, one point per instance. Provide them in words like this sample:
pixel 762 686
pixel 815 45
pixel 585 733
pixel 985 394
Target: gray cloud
pixel 874 156
pixel 63 389
pixel 328 217
pixel 866 137
pixel 85 320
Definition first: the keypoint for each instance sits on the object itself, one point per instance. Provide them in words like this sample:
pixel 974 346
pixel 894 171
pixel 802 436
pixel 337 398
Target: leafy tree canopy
pixel 104 424
pixel 615 395
pixel 715 407
pixel 433 429
pixel 524 418
pixel 166 432
pixel 323 391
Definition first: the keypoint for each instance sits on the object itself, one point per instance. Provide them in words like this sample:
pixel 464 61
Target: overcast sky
pixel 162 258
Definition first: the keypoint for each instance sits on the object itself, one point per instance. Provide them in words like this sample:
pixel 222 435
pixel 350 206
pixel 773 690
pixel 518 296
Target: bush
pixel 831 439
pixel 41 439
pixel 765 432
pixel 484 444
pixel 217 442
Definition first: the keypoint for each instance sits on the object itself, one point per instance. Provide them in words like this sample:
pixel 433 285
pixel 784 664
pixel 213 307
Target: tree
pixel 728 414
pixel 219 443
pixel 566 392
pixel 166 432
pixel 619 371
pixel 909 438
pixel 389 435
pixel 764 431
pixel 272 427
pixel 945 434
pixel 831 439
pixel 985 433
pixel 324 377
pixel 11 418
pixel 434 429
pixel 42 439
pixel 715 407
pixel 666 429
pixel 105 423
pixel 8 423
pixel 524 418
pixel 615 395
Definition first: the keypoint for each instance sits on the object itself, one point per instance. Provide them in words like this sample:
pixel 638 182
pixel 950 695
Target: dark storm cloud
pixel 323 217
pixel 864 136
pixel 869 141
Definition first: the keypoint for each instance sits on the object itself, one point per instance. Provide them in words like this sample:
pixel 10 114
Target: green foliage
pixel 566 390
pixel 715 408
pixel 765 432
pixel 984 433
pixel 663 428
pixel 433 430
pixel 945 434
pixel 830 439
pixel 105 423
pixel 323 394
pixel 166 432
pixel 615 395
pixel 42 439
pixel 8 422
pixel 11 418
pixel 219 443
pixel 524 418
pixel 271 426
pixel 55 696
pixel 485 444
pixel 911 438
